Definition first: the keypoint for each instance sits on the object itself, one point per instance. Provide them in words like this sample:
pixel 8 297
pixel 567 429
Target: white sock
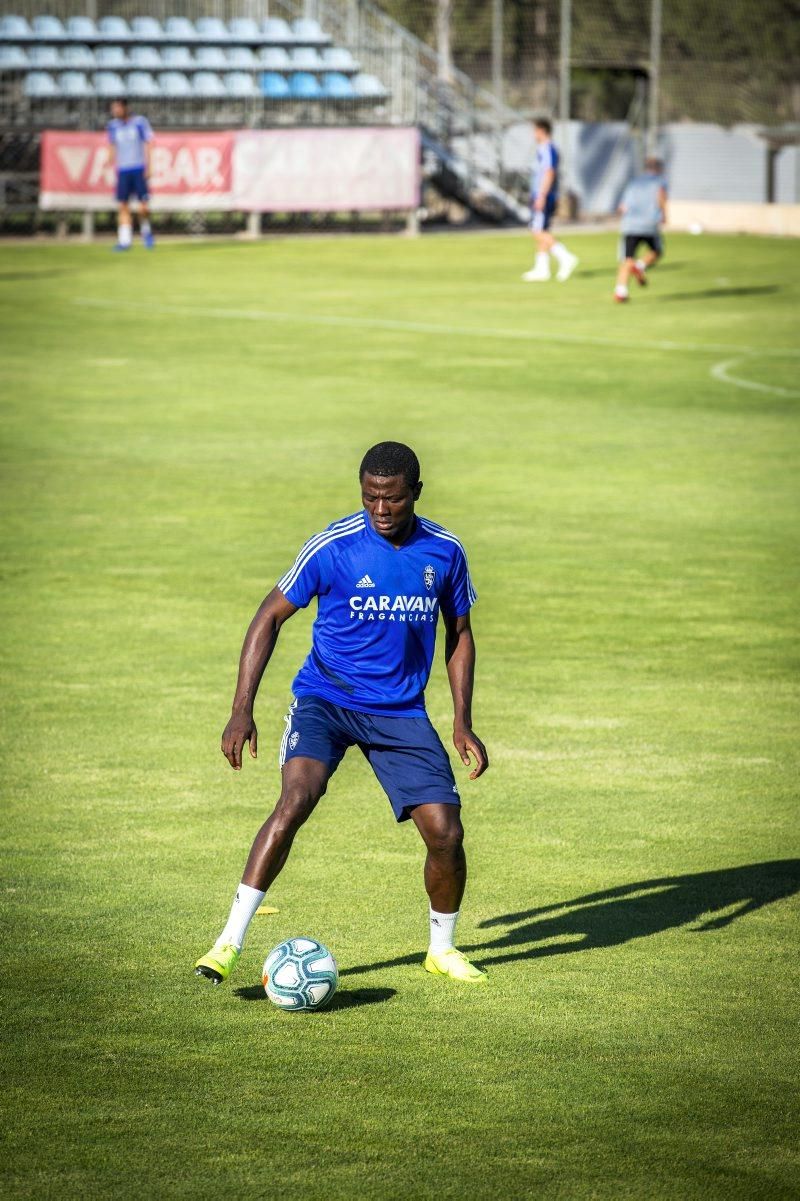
pixel 443 927
pixel 620 290
pixel 125 234
pixel 560 253
pixel 641 264
pixel 542 262
pixel 144 227
pixel 245 903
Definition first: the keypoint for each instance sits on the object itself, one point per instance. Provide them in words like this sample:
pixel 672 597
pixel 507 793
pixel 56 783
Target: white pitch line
pixel 720 371
pixel 419 327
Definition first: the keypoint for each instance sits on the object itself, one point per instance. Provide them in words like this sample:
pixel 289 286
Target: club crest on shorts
pixel 293 741
pixel 429 576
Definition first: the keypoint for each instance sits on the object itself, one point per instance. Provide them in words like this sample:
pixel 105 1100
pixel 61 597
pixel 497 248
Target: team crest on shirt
pixel 429 576
pixel 293 741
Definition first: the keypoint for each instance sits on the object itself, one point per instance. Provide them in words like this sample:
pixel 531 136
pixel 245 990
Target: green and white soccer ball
pixel 299 974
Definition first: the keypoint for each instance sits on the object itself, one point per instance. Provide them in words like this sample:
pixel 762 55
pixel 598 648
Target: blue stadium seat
pixel 180 29
pixel 337 58
pixel 337 86
pixel 274 58
pixel 110 57
pixel 308 31
pixel 147 29
pixel 78 58
pixel 240 83
pixel 141 83
pixel 211 57
pixel 74 83
pixel 178 57
pixel 14 58
pixel 81 29
pixel 208 83
pixel 212 29
pixel 108 84
pixel 274 86
pixel 241 58
pixel 304 86
pixel 145 58
pixel 38 84
pixel 276 30
pixel 114 29
pixel 174 83
pixel 305 58
pixel 369 87
pixel 13 28
pixel 244 29
pixel 43 58
pixel 48 29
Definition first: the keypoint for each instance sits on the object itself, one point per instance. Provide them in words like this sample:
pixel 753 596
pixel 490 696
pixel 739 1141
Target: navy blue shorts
pixel 405 753
pixel 541 221
pixel 131 183
pixel 631 244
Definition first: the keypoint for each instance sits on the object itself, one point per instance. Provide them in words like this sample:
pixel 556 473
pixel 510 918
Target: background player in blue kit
pixel 544 199
pixel 380 578
pixel 131 137
pixel 644 211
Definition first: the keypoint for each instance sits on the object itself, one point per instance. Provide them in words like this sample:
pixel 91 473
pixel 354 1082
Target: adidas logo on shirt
pixel 365 582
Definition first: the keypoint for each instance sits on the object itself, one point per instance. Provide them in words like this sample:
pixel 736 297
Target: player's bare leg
pixel 626 267
pixel 124 227
pixel 445 880
pixel 303 782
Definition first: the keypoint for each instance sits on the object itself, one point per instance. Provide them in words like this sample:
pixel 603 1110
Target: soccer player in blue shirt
pixel 544 199
pixel 644 210
pixel 380 578
pixel 131 137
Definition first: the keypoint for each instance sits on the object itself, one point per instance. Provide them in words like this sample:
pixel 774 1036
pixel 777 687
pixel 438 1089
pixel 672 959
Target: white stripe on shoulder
pixel 439 531
pixel 339 529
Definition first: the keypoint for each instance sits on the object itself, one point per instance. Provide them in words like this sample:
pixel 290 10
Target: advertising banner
pixel 286 170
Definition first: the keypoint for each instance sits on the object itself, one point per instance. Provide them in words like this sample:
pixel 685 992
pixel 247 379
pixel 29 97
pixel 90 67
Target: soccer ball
pixel 300 973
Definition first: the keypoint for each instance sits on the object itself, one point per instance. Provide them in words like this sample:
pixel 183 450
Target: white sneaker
pixel 566 268
pixel 536 276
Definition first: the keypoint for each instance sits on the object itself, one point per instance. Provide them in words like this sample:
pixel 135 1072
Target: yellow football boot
pixel 455 966
pixel 218 963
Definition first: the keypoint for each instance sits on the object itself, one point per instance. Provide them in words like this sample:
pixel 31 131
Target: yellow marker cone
pixel 264 909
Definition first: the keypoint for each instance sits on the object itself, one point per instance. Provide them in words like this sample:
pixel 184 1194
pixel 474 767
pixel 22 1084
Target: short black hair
pixel 544 123
pixel 123 100
pixel 391 458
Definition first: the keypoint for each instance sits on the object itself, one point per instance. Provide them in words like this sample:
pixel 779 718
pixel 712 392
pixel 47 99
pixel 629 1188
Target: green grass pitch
pixel 625 478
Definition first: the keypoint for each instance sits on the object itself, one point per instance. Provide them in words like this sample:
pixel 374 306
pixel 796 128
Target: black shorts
pixel 632 242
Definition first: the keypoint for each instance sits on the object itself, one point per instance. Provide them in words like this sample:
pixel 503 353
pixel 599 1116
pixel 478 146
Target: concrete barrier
pixel 732 217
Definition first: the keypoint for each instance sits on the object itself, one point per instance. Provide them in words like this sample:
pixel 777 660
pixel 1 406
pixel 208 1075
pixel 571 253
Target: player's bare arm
pixel 259 643
pixel 460 659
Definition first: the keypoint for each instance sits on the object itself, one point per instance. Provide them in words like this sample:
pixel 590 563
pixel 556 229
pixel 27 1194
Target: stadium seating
pixel 274 86
pixel 208 84
pixel 81 29
pixel 108 84
pixel 240 83
pixel 147 28
pixel 174 83
pixel 74 83
pixel 336 86
pixel 48 29
pixel 205 60
pixel 141 83
pixel 39 84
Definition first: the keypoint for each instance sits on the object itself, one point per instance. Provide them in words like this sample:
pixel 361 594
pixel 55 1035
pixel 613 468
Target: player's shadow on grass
pixel 722 293
pixel 345 998
pixel 701 902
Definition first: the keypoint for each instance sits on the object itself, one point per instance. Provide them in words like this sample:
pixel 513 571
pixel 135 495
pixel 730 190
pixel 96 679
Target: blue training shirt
pixel 373 638
pixel 128 139
pixel 547 157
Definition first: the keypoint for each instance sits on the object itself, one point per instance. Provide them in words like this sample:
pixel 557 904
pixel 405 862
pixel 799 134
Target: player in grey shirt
pixel 644 210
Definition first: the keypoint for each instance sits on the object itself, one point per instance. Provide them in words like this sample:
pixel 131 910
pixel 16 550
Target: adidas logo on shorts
pixel 365 582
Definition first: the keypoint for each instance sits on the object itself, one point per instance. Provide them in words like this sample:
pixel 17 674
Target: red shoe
pixel 639 275
pixel 620 299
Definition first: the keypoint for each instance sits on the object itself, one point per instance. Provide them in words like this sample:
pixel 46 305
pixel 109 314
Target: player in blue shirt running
pixel 644 210
pixel 544 199
pixel 131 137
pixel 380 578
